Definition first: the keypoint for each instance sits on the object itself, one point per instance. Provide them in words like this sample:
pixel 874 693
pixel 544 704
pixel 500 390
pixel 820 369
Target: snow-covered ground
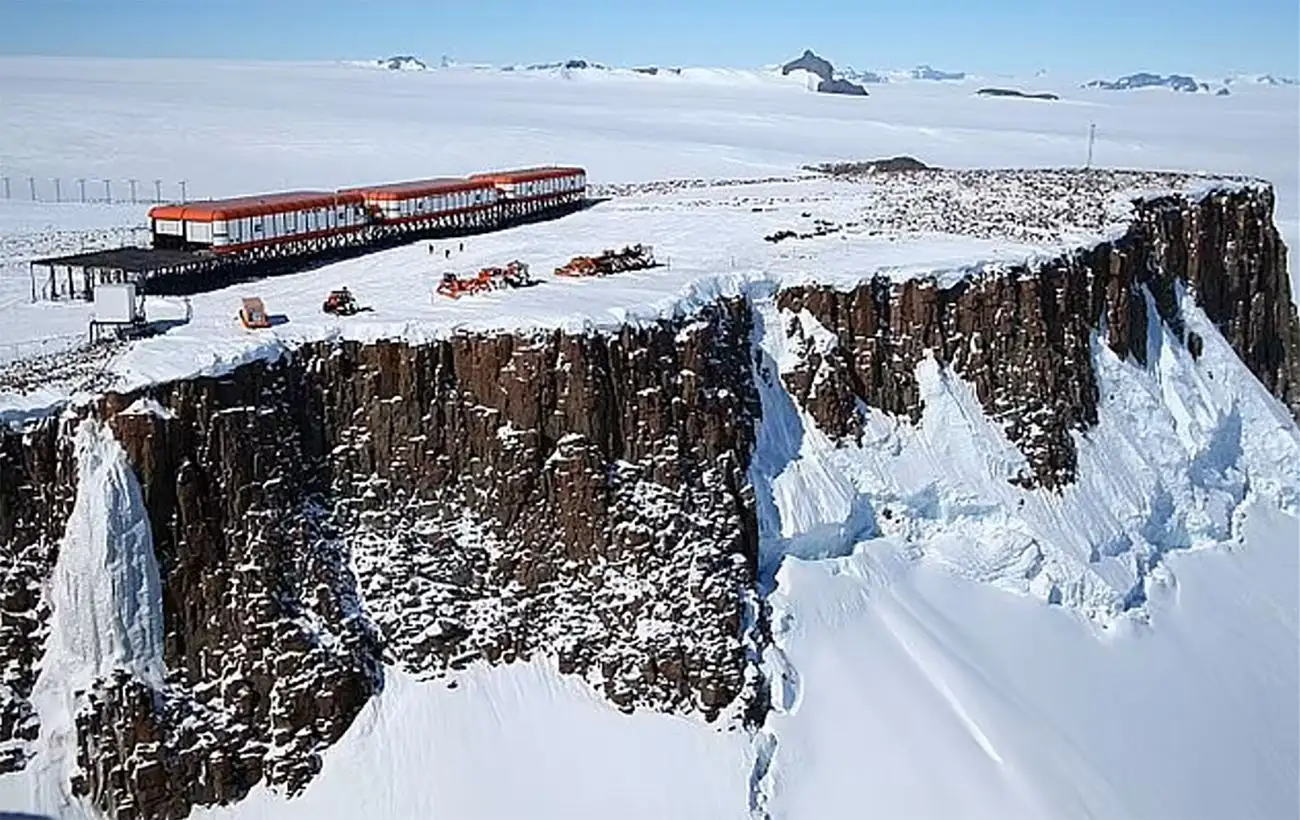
pixel 1125 649
pixel 711 241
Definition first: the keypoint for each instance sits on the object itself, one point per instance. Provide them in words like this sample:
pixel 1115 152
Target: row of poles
pixel 9 187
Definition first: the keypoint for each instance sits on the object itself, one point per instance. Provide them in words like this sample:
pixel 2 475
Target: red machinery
pixel 633 257
pixel 513 275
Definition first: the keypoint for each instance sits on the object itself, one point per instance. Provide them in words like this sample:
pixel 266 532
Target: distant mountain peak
pixel 402 62
pixel 1145 79
pixel 830 82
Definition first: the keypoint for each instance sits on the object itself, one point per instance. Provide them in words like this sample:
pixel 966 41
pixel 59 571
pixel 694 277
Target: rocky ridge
pixel 488 498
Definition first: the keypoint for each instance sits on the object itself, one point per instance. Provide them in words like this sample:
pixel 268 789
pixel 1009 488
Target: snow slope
pixel 950 645
pixel 520 741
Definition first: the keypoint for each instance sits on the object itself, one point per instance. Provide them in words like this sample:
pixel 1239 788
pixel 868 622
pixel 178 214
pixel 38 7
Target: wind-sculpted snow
pixel 990 707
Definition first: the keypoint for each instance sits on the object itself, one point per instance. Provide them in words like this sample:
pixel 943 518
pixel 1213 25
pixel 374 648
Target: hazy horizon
pixel 994 37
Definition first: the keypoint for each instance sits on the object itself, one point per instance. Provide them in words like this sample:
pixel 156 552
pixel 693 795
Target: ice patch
pixel 106 601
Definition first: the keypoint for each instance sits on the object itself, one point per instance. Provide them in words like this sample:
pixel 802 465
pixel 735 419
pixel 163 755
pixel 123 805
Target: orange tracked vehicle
pixel 513 275
pixel 632 257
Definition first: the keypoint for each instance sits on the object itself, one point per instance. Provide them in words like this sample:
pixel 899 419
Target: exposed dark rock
pixel 810 62
pixel 839 85
pixel 892 165
pixel 829 82
pixel 868 77
pixel 490 498
pixel 1143 79
pixel 1023 338
pixel 403 62
pixel 585 497
pixel 1013 92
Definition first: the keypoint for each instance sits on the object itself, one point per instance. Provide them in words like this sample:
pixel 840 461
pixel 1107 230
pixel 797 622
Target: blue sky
pixel 1099 37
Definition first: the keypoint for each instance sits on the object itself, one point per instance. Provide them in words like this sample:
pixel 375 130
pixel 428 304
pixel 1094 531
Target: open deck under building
pixel 76 275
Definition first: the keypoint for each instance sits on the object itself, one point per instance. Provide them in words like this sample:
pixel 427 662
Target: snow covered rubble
pixel 940 224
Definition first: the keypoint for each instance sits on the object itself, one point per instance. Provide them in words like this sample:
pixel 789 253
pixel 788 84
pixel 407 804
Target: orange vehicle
pixel 513 275
pixel 632 257
pixel 253 314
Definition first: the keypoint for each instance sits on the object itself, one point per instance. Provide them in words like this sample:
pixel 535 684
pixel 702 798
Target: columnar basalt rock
pixel 581 497
pixel 1023 337
pixel 492 497
pixel 36 496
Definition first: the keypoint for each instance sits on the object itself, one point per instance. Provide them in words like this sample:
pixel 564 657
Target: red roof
pixel 420 187
pixel 529 174
pixel 256 205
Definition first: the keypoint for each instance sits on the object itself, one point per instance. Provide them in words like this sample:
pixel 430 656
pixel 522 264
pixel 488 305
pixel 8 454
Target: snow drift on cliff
pixel 106 598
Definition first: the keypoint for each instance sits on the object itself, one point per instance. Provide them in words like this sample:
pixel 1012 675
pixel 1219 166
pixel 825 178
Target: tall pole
pixel 157 190
pixel 132 183
pixel 58 192
pixel 108 191
pixel 31 185
pixel 183 198
pixel 1092 137
pixel 81 184
pixel 6 187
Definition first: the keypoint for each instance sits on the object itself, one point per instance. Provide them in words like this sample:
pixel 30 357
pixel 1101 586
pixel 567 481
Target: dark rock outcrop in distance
pixel 868 77
pixel 829 82
pixel 839 85
pixel 1143 79
pixel 811 63
pixel 403 62
pixel 567 65
pixel 892 165
pixel 653 71
pixel 1263 79
pixel 1023 338
pixel 926 72
pixel 1013 92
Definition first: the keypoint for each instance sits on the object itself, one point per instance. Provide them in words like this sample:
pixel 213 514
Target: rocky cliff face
pixel 483 497
pixel 583 497
pixel 1023 337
